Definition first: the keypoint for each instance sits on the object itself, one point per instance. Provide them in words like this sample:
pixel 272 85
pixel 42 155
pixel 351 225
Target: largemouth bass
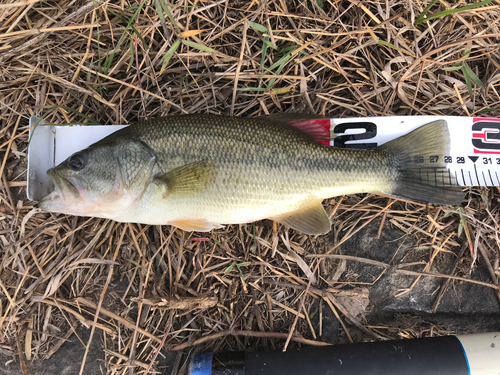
pixel 199 172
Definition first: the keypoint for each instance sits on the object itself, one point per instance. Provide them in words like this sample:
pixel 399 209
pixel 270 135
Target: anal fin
pixel 310 219
pixel 195 225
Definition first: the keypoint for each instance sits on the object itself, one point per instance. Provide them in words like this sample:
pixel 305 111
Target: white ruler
pixel 474 157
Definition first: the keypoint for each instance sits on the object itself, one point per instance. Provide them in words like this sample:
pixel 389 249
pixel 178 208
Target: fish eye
pixel 77 161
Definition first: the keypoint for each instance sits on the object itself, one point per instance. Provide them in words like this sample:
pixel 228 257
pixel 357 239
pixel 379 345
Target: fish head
pixel 104 180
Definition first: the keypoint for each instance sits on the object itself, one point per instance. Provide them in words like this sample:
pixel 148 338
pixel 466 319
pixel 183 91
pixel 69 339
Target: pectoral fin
pixel 195 225
pixel 311 219
pixel 189 179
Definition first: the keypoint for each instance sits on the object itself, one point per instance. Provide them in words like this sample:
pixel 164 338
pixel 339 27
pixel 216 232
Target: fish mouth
pixel 65 192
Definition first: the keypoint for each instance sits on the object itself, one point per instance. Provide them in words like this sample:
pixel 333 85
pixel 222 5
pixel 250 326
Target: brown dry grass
pixel 55 60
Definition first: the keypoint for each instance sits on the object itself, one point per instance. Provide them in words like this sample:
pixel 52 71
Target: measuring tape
pixel 474 155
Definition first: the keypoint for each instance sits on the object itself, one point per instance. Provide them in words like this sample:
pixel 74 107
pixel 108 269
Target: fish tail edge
pixel 418 170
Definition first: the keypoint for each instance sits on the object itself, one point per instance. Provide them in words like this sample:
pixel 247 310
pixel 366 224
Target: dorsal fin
pixel 316 126
pixel 318 129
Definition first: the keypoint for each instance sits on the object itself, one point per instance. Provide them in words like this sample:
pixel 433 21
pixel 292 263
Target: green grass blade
pixel 421 16
pixel 198 46
pixel 449 11
pixel 217 242
pixel 258 27
pixel 169 54
pixel 486 110
pixel 281 61
pixel 473 75
pixel 265 46
pixel 166 9
pixel 109 61
pixel 106 59
pixel 463 221
pixel 289 49
pixel 252 89
pixel 467 80
pixel 159 10
pixel 485 198
pixel 448 214
pixel 387 44
pixel 280 64
pixel 452 68
pixel 268 43
pixel 278 71
pixel 133 29
pixel 244 264
pixel 230 268
pixel 132 54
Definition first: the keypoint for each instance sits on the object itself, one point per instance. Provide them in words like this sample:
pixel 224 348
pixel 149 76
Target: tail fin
pixel 419 171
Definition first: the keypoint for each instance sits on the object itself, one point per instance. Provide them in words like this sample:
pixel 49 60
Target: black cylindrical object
pixel 448 355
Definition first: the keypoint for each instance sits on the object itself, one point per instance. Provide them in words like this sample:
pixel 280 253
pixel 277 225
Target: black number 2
pixel 370 131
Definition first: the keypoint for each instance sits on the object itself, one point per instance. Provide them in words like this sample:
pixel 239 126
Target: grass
pixel 422 16
pixel 121 61
pixel 468 74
